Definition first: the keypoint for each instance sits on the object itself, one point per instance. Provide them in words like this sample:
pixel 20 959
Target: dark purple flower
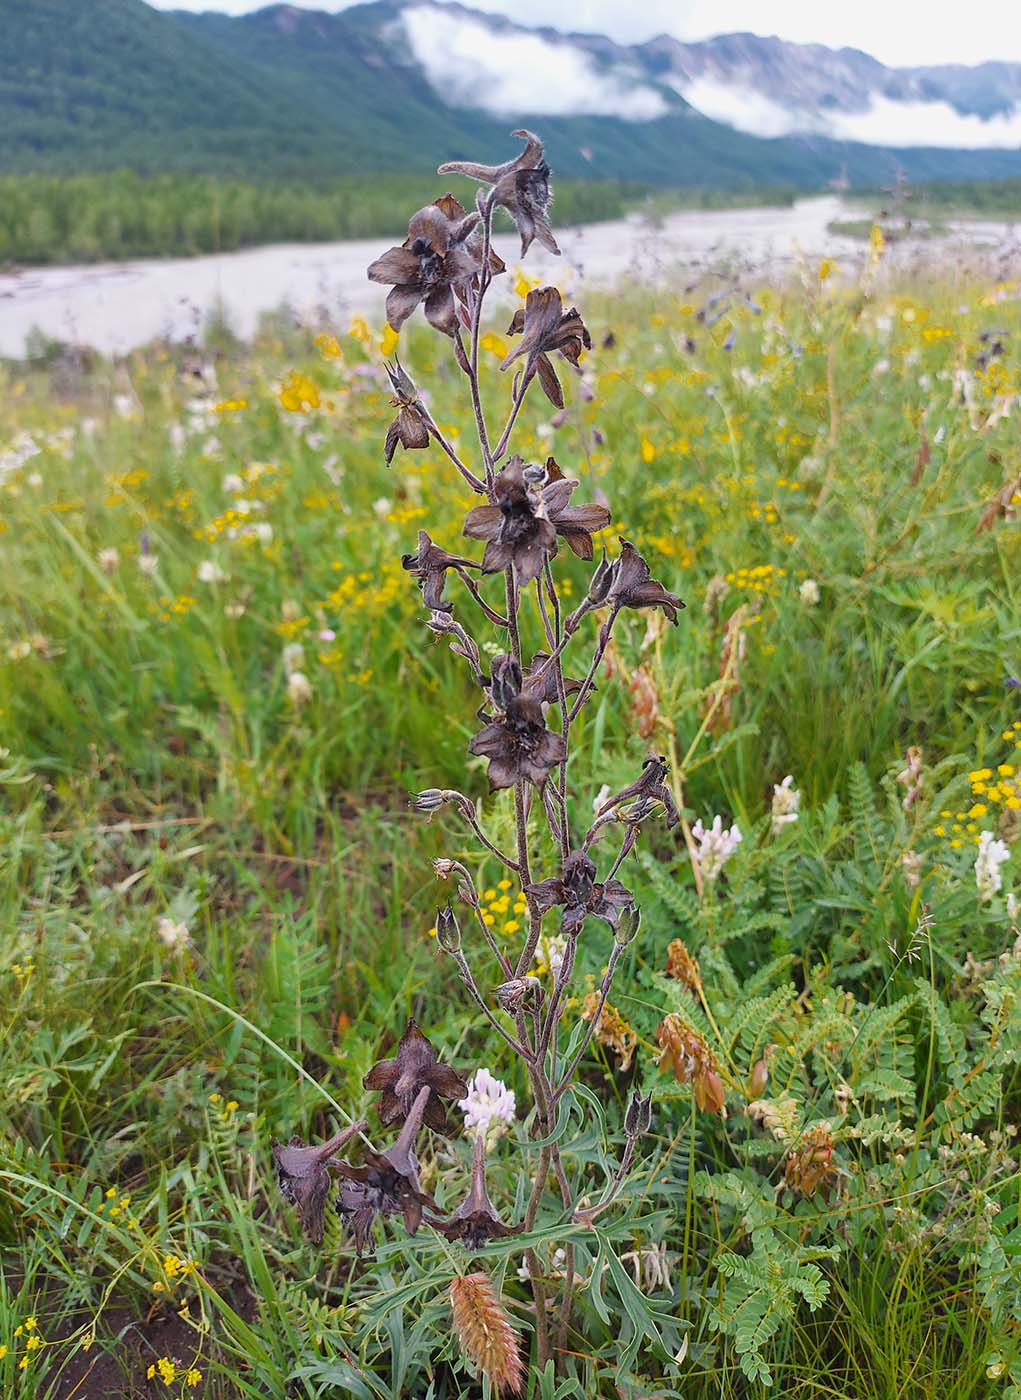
pixel 303 1177
pixel 516 529
pixel 410 428
pixel 546 328
pixel 578 892
pixel 386 1183
pixel 438 259
pixel 520 186
pixel 430 567
pixel 516 742
pixel 475 1221
pixel 416 1065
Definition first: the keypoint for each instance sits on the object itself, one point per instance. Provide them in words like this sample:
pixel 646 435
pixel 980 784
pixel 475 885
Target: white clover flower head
pixel 809 593
pixel 109 559
pixel 715 846
pixel 293 657
pixel 210 572
pixel 786 803
pixel 488 1107
pixel 173 933
pixel 991 855
pixel 299 689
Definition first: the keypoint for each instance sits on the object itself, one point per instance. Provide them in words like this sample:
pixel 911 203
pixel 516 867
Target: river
pixel 116 306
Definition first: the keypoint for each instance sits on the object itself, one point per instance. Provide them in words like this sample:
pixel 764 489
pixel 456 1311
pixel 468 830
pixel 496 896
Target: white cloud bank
pixel 885 122
pixel 514 74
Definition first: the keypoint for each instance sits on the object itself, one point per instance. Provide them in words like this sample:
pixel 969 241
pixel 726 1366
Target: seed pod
pixel 638 1118
pixel 628 924
pixel 448 932
pixel 520 994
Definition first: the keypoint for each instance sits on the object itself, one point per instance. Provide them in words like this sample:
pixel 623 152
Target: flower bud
pixel 431 800
pixel 759 1077
pixel 638 1118
pixel 709 1092
pixel 628 924
pixel 448 933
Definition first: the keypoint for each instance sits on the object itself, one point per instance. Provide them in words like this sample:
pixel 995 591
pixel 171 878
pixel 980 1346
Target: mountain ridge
pixel 394 85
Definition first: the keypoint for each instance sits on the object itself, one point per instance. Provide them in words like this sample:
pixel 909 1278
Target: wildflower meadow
pixel 532 910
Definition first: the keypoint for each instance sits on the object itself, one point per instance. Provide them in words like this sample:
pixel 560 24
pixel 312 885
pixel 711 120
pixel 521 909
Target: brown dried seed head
pixel 485 1333
pixel 683 965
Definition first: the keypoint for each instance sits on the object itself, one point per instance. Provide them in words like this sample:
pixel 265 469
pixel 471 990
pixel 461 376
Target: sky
pixel 897 32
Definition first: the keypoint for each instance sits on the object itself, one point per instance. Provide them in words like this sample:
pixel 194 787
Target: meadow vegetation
pixel 216 693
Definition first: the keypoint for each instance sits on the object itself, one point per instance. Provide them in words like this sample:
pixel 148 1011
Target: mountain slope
pixel 390 85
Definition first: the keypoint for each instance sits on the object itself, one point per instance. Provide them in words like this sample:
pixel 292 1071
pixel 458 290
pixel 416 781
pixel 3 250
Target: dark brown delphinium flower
pixel 439 257
pixel 576 524
pixel 545 327
pixel 520 186
pixel 625 583
pixel 430 567
pixel 416 1065
pixel 517 742
pixel 533 506
pixel 516 529
pixel 386 1183
pixel 651 786
pixel 475 1221
pixel 580 894
pixel 303 1177
pixel 410 428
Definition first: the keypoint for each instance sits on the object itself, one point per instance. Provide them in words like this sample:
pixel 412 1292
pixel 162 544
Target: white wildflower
pixel 148 563
pixel 991 855
pixel 17 651
pixel 233 484
pixel 234 610
pixel 293 657
pixel 173 933
pixel 786 804
pixel 911 867
pixel 210 572
pixel 809 593
pixel 382 506
pixel 109 560
pixel 554 949
pixel 299 688
pixel 715 846
pixel 489 1106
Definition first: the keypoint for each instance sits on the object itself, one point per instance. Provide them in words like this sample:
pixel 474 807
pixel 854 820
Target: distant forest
pixel 85 218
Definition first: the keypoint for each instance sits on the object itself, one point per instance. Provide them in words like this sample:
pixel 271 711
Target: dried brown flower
pixel 651 786
pixel 430 567
pixel 303 1177
pixel 521 186
pixel 611 1029
pixel 387 1183
pixel 516 528
pixel 411 426
pixel 687 1056
pixel 579 893
pixel 545 329
pixel 439 257
pixel 517 742
pixel 576 524
pixel 810 1167
pixel 415 1065
pixel 683 965
pixel 485 1332
pixel 475 1221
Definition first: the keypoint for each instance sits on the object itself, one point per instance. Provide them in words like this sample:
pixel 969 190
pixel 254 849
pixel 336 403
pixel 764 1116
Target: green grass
pixel 155 767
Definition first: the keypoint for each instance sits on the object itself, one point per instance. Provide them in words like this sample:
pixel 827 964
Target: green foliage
pixel 856 1232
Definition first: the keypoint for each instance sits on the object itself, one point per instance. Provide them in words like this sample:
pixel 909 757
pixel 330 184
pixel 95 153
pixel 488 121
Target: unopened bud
pixel 431 800
pixel 709 1092
pixel 758 1079
pixel 448 932
pixel 638 1118
pixel 628 924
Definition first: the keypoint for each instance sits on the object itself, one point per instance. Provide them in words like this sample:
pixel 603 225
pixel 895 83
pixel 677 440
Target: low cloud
pixel 885 122
pixel 514 74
